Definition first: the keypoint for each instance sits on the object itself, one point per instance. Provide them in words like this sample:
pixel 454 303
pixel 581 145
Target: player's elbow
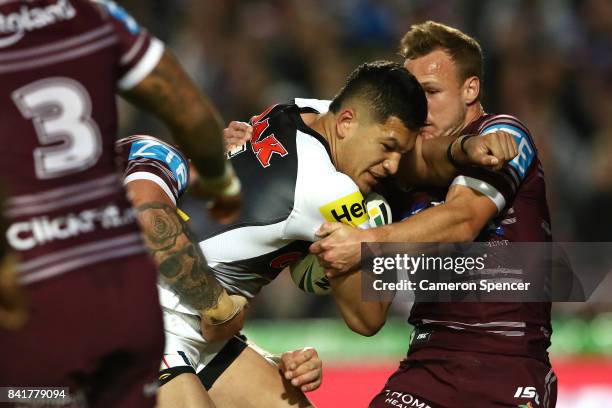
pixel 366 329
pixel 370 329
pixel 366 325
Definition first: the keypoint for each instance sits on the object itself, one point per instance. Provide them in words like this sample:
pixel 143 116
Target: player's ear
pixel 345 120
pixel 471 90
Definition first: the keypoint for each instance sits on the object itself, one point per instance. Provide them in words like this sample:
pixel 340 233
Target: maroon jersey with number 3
pixel 61 63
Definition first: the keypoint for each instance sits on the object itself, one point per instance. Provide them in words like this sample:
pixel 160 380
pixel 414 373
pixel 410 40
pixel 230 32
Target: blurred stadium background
pixel 549 62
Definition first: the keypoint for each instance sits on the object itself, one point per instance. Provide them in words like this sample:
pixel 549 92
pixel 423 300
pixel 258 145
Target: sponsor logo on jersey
pixel 25 235
pixel 350 209
pixel 526 151
pixel 235 151
pixel 404 400
pixel 16 25
pixel 156 150
pixel 265 147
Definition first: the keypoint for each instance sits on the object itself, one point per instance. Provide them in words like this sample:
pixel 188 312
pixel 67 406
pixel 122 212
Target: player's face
pixel 446 108
pixel 373 150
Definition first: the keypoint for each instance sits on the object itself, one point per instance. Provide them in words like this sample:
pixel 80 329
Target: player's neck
pixel 325 125
pixel 473 112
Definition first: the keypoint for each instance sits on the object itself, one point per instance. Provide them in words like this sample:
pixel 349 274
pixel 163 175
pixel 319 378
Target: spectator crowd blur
pixel 548 62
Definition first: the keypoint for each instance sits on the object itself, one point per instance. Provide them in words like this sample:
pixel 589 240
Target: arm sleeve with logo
pixel 501 186
pixel 333 197
pixel 139 52
pixel 148 158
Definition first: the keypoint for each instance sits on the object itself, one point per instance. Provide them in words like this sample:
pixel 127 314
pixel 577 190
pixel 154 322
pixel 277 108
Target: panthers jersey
pixel 61 63
pixel 518 190
pixel 289 188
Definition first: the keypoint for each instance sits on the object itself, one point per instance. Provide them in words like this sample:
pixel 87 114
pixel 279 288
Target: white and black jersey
pixel 289 188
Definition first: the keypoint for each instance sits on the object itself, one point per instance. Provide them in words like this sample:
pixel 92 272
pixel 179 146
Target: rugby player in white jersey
pixel 156 175
pixel 307 161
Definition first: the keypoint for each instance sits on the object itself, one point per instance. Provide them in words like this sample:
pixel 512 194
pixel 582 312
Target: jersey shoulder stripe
pixel 146 154
pixel 526 147
pixel 501 186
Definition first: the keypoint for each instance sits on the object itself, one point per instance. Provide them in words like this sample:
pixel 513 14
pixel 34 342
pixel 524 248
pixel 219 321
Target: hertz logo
pixel 350 209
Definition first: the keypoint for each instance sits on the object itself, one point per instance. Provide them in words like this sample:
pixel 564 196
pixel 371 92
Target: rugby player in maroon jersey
pixel 94 318
pixel 470 354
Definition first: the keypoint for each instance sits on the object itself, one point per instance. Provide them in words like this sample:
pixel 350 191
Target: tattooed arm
pixel 171 95
pixel 181 264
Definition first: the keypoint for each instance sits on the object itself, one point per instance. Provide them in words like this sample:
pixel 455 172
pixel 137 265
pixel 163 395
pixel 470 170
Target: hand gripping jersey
pixel 61 62
pixel 518 191
pixel 289 186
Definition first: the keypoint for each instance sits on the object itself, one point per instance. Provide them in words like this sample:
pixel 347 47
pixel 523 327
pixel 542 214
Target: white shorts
pixel 186 351
pixel 184 343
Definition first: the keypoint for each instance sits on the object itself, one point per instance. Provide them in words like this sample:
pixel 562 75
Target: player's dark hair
pixel 389 90
pixel 430 36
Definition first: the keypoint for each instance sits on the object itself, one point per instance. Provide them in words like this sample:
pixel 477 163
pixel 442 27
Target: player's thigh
pixel 184 391
pixel 251 381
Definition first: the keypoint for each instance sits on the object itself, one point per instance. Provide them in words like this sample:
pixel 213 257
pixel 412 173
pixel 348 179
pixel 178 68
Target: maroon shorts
pixel 434 378
pixel 98 331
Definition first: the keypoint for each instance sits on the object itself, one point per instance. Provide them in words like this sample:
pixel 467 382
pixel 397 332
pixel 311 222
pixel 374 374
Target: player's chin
pixel 428 132
pixel 366 183
pixel 365 187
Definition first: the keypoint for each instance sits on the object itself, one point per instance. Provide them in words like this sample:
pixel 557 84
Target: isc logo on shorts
pixel 350 209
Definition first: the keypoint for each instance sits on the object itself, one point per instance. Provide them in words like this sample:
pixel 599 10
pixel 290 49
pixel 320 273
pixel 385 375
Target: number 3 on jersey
pixel 60 109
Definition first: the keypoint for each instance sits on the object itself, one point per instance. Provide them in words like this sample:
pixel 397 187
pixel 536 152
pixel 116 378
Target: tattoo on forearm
pixel 179 258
